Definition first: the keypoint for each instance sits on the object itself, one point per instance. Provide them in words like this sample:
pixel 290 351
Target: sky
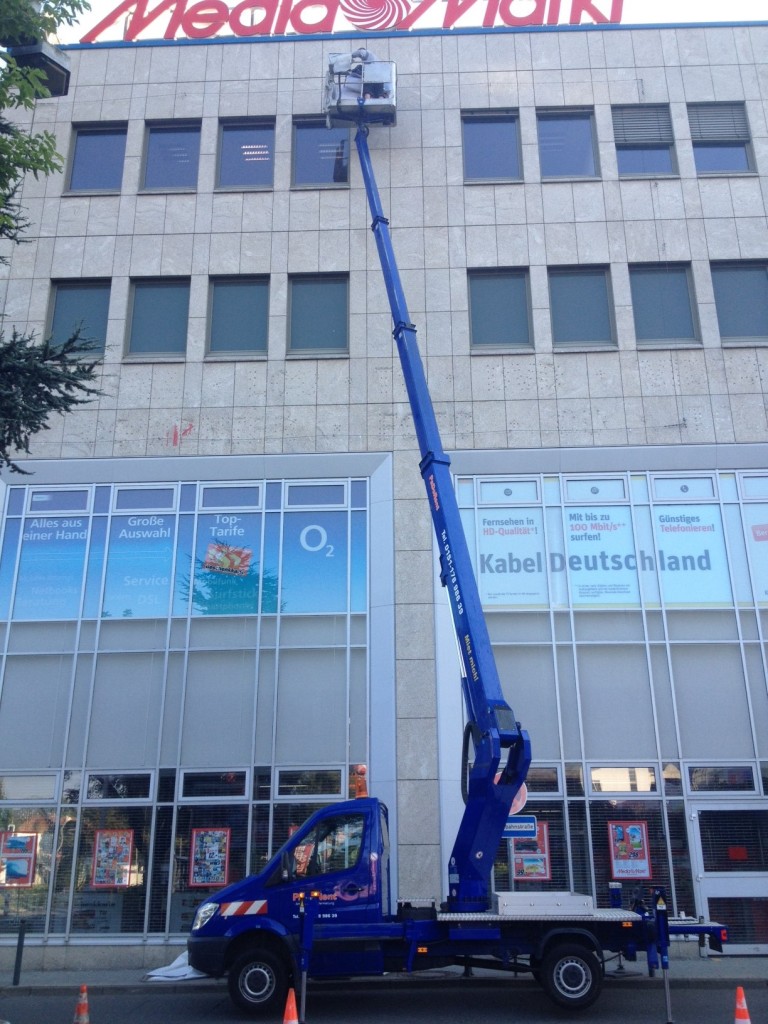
pixel 635 12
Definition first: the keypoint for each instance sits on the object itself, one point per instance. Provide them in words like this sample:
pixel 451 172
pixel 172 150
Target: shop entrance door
pixel 730 861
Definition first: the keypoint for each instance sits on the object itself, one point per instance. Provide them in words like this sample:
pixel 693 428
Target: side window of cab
pixel 334 844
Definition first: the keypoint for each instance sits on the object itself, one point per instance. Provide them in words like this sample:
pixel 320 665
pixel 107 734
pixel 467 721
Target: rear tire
pixel 258 982
pixel 572 976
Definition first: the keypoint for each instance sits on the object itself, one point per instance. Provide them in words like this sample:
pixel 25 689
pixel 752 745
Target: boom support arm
pixel 492 723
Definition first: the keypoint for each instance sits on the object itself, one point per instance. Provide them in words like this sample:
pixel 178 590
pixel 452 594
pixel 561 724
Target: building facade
pixel 218 588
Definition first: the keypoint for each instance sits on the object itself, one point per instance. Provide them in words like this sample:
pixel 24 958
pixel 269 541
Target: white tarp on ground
pixel 179 970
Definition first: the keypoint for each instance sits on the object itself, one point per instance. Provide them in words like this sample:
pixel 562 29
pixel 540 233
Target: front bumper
pixel 208 954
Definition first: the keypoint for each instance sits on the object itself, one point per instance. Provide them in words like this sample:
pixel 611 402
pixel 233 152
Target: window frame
pixel 154 129
pixel 142 354
pixel 72 285
pixel 309 351
pixel 720 126
pixel 659 269
pixel 739 339
pixel 300 123
pixel 571 344
pixel 502 274
pixel 112 128
pixel 586 114
pixel 238 352
pixel 258 124
pixel 640 128
pixel 507 116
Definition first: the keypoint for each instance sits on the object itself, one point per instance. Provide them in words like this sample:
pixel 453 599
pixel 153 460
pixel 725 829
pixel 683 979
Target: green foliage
pixel 36 380
pixel 23 152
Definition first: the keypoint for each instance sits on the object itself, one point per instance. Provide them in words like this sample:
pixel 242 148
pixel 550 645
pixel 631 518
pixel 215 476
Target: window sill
pixel 571 177
pixel 727 174
pixel 168 190
pixel 90 192
pixel 667 343
pixel 244 188
pixel 584 346
pixel 744 342
pixel 154 357
pixel 639 175
pixel 317 354
pixel 501 350
pixel 321 184
pixel 494 181
pixel 235 357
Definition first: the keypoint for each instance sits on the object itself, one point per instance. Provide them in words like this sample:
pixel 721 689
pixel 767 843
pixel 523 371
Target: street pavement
pixel 698 989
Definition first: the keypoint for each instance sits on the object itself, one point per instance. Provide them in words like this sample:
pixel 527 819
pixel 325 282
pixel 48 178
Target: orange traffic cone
pixel 290 1016
pixel 742 1013
pixel 81 1010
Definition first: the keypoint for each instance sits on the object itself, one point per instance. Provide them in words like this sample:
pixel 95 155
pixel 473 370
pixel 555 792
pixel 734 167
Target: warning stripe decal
pixel 242 907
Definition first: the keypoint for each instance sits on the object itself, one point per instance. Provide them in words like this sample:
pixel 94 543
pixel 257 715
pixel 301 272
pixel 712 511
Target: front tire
pixel 572 976
pixel 258 982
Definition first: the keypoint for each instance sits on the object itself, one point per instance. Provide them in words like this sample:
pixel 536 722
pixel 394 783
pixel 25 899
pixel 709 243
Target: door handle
pixel 351 889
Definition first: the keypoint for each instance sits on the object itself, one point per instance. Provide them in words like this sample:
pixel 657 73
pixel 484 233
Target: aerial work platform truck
pixel 321 907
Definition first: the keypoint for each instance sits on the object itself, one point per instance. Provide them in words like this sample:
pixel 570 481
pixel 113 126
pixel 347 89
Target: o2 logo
pixel 314 538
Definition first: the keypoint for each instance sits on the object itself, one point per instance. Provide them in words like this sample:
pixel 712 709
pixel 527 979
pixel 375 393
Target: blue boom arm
pixel 496 734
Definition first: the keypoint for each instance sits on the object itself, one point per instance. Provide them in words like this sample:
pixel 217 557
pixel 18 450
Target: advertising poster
pixel 629 850
pixel 209 862
pixel 756 535
pixel 51 568
pixel 315 561
pixel 511 558
pixel 227 575
pixel 17 858
pixel 600 554
pixel 690 555
pixel 112 854
pixel 139 567
pixel 530 856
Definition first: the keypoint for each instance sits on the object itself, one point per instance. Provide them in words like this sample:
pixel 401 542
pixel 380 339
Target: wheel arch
pixel 261 938
pixel 576 936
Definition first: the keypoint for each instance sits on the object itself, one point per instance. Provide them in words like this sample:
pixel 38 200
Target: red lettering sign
pixel 204 19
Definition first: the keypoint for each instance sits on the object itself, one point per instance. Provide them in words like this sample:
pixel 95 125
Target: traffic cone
pixel 81 1010
pixel 290 1016
pixel 742 1013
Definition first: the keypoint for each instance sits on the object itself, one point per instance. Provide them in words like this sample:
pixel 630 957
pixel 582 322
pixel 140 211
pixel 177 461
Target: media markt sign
pixel 144 20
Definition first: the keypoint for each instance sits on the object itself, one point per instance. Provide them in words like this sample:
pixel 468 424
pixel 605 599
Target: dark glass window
pixel 720 137
pixel 491 147
pixel 159 317
pixel 581 313
pixel 239 314
pixel 644 139
pixel 741 300
pixel 499 308
pixel 318 313
pixel 172 156
pixel 80 305
pixel 661 302
pixel 566 144
pixel 97 159
pixel 320 154
pixel 246 154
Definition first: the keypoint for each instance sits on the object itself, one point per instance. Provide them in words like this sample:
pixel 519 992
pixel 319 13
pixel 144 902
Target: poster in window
pixel 530 856
pixel 209 862
pixel 17 858
pixel 629 851
pixel 112 855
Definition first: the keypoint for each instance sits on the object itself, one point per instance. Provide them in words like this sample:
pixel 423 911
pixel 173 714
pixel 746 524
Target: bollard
pixel 19 952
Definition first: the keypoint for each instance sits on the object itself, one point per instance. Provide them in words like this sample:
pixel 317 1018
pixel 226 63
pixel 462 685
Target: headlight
pixel 204 914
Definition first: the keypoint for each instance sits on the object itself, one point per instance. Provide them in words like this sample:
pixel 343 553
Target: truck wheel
pixel 572 976
pixel 258 982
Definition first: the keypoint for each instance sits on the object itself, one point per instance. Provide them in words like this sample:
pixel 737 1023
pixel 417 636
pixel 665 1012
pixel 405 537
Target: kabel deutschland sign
pixel 204 19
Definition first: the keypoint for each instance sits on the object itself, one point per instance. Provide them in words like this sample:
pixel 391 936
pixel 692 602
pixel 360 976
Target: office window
pixel 97 159
pixel 82 305
pixel 741 299
pixel 580 306
pixel 720 137
pixel 499 310
pixel 491 145
pixel 172 156
pixel 239 314
pixel 318 313
pixel 644 139
pixel 661 302
pixel 246 154
pixel 567 144
pixel 320 154
pixel 159 313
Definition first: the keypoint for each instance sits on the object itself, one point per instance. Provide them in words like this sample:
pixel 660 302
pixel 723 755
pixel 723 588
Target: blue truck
pixel 322 906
